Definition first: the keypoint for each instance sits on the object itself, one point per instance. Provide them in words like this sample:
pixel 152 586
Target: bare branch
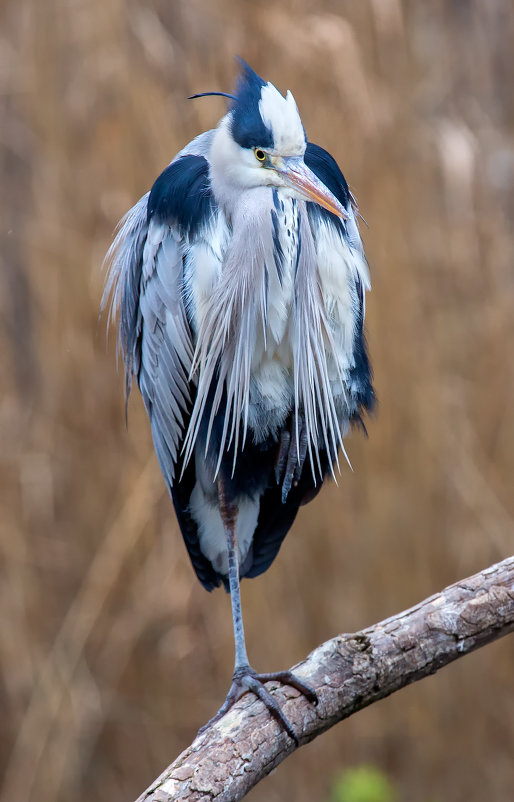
pixel 349 672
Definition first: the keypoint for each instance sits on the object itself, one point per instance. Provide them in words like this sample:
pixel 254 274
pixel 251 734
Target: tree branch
pixel 349 672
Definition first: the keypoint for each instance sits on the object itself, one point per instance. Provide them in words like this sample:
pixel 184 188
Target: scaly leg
pixel 245 678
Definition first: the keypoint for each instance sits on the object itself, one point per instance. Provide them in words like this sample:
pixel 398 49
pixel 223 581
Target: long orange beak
pixel 298 176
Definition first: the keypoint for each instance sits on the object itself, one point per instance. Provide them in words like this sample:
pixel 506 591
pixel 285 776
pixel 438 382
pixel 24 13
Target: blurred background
pixel 112 655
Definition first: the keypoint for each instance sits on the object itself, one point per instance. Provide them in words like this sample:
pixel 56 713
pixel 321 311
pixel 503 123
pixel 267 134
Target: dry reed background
pixel 111 653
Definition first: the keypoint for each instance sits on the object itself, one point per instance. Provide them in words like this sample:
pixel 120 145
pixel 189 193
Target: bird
pixel 239 284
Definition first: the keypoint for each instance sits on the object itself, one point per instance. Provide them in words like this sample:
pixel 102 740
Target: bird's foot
pixel 291 456
pixel 246 679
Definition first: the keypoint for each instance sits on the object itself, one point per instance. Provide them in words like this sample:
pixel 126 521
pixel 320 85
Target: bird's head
pixel 261 142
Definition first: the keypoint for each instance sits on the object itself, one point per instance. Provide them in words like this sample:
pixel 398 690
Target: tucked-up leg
pixel 245 678
pixel 291 456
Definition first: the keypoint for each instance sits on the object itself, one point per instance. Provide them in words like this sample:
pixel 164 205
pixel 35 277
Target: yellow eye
pixel 260 155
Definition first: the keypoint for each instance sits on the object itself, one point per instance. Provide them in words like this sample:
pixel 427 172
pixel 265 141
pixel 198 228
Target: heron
pixel 239 283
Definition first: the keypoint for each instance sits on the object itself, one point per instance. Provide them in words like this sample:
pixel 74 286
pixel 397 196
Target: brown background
pixel 112 655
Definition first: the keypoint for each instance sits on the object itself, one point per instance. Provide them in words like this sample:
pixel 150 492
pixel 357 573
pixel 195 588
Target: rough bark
pixel 349 672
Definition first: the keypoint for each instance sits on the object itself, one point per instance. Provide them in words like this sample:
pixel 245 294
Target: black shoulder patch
pixel 246 124
pixel 360 376
pixel 326 168
pixel 182 196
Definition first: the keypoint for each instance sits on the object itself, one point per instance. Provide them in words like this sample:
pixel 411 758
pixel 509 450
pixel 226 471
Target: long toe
pixel 237 689
pixel 254 683
pixel 246 679
pixel 288 678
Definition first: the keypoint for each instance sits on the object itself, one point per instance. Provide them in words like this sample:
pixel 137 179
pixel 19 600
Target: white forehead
pixel 280 115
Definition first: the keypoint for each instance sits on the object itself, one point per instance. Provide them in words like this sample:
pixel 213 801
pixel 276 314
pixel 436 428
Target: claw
pixel 296 453
pixel 283 451
pixel 255 685
pixel 302 453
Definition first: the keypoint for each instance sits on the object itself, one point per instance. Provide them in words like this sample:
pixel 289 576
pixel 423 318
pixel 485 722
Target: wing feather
pixel 166 344
pixel 146 286
pixel 121 292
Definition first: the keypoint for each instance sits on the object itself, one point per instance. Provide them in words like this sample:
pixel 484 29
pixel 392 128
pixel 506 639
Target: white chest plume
pixel 276 312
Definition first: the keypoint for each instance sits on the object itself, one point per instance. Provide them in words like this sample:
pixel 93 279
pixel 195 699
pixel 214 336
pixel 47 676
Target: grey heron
pixel 239 282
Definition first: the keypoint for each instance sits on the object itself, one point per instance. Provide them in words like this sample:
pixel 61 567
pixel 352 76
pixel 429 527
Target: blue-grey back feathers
pixel 123 286
pixel 166 344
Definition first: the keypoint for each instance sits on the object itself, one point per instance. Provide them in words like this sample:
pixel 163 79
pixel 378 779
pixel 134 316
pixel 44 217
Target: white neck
pixel 227 169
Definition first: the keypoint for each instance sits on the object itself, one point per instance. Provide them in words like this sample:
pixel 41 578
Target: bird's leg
pixel 291 455
pixel 245 678
pixel 228 512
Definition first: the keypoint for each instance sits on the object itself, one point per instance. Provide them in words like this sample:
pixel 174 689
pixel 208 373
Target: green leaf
pixel 362 784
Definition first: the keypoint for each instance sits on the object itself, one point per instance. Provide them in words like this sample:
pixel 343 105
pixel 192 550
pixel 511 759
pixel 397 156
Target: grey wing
pixel 166 344
pixel 124 261
pixel 146 285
